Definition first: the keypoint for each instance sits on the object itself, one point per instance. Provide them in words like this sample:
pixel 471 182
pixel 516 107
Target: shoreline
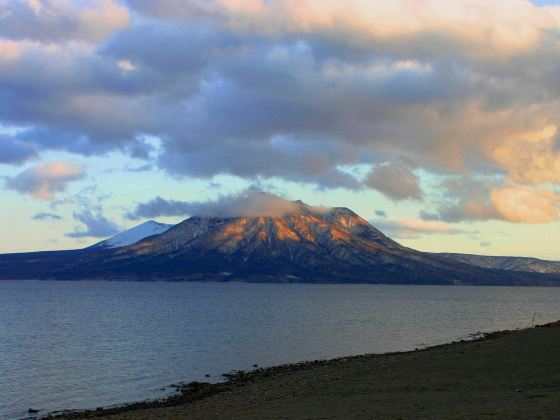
pixel 204 400
pixel 554 285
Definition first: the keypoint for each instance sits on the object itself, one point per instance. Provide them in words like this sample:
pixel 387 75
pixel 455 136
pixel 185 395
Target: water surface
pixel 84 344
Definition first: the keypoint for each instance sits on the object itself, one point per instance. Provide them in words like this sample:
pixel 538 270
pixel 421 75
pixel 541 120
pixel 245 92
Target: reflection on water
pixel 85 344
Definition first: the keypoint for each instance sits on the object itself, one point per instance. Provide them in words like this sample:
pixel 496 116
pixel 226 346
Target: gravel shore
pixel 508 374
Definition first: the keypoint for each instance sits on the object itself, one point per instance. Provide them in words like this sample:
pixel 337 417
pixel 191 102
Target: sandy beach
pixel 508 374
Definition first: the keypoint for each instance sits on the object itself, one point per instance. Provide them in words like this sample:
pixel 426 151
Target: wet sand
pixel 510 374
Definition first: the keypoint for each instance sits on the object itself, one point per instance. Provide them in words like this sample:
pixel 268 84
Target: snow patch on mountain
pixel 135 234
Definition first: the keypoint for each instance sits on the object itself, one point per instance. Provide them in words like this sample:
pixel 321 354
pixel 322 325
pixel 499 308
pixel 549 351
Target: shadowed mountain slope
pixel 534 265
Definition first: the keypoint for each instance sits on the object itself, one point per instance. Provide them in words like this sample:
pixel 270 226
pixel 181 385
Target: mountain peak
pixel 304 227
pixel 299 244
pixel 133 235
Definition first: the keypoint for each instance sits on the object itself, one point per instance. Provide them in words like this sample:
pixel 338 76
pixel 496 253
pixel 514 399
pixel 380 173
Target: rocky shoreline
pixel 500 374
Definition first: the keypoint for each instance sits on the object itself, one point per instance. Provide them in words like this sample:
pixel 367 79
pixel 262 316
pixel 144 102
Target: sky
pixel 436 120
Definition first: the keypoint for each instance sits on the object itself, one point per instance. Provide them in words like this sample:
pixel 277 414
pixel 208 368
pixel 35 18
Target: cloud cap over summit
pixel 249 203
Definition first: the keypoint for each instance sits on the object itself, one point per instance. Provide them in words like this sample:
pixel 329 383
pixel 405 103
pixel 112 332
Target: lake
pixel 68 345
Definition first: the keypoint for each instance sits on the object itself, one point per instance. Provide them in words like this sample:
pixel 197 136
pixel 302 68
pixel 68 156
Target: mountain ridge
pixel 305 244
pixel 527 264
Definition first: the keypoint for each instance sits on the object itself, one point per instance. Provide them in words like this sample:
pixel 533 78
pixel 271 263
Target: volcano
pixel 305 245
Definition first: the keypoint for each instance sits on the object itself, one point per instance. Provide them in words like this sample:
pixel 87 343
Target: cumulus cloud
pixel 464 198
pixel 295 90
pixel 61 20
pixel 472 200
pixel 94 225
pixel 44 181
pixel 526 205
pixel 46 216
pixel 249 203
pixel 509 26
pixel 395 180
pixel 531 157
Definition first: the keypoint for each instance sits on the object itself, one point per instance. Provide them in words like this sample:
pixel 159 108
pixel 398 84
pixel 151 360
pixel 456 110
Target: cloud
pixel 510 26
pixel 295 91
pixel 96 226
pixel 44 181
pixel 142 168
pixel 526 205
pixel 490 200
pixel 46 216
pixel 531 157
pixel 249 203
pixel 161 207
pixel 405 228
pixel 13 151
pixel 428 216
pixel 464 199
pixel 61 20
pixel 380 213
pixel 395 180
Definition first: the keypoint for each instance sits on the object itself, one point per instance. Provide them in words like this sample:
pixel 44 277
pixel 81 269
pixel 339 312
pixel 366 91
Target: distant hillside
pixel 527 264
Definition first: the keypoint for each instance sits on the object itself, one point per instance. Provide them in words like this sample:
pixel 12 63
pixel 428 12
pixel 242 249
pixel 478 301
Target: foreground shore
pixel 511 374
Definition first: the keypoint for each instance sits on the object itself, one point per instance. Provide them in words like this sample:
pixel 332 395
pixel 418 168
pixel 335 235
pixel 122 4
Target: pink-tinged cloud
pixel 9 50
pixel 526 205
pixel 481 26
pixel 488 200
pixel 44 181
pixel 531 157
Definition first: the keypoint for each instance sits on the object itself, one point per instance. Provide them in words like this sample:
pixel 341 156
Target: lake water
pixel 66 345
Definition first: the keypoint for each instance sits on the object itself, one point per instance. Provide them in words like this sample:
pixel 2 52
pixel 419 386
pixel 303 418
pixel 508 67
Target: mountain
pixel 527 264
pixel 306 245
pixel 133 235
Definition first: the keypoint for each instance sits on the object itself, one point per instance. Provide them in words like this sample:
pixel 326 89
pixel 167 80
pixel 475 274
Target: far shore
pixel 505 374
